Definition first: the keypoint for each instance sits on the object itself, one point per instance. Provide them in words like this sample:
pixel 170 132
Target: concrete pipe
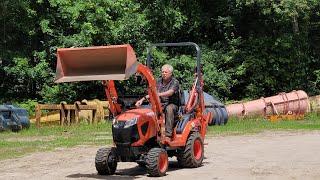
pixel 295 102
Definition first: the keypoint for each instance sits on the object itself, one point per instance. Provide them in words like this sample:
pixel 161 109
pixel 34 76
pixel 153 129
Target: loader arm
pixel 107 63
pixel 154 100
pixel 112 97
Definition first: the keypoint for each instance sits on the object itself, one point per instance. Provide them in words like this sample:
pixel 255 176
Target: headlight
pixel 114 121
pixel 131 122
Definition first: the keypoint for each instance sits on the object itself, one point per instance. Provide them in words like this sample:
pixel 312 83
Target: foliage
pixel 29 105
pixel 250 48
pixel 275 51
pixel 26 80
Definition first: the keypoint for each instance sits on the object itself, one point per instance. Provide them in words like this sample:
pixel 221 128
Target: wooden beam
pixel 38 115
pixel 67 107
pixel 68 112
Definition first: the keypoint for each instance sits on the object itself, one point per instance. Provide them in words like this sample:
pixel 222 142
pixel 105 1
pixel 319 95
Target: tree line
pixel 250 48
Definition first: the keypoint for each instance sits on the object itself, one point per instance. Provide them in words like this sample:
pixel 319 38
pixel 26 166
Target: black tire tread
pixel 101 161
pixel 185 157
pixel 141 164
pixel 152 162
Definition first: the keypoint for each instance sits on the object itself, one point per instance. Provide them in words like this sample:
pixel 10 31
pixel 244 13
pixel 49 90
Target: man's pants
pixel 170 112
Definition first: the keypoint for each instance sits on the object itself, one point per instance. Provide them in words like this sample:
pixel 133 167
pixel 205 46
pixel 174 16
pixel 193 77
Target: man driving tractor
pixel 168 91
pixel 139 134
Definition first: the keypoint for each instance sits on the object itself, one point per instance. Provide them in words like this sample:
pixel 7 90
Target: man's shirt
pixel 172 84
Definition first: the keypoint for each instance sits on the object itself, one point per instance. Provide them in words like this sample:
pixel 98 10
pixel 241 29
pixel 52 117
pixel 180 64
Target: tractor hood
pixel 117 62
pixel 135 114
pixel 133 117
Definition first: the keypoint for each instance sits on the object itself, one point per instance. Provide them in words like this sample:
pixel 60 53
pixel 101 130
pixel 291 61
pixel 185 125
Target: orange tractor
pixel 139 133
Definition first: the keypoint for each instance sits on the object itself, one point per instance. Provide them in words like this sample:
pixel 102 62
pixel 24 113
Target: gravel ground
pixel 268 155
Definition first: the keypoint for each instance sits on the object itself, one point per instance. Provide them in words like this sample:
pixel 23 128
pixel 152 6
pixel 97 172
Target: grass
pixel 48 138
pixel 237 126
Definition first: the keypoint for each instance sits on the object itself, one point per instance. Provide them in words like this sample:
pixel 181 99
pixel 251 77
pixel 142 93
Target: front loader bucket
pixel 117 62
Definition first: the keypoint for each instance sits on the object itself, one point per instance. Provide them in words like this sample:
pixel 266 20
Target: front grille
pixel 129 153
pixel 125 135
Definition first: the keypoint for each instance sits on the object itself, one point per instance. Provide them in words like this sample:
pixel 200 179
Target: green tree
pixel 251 48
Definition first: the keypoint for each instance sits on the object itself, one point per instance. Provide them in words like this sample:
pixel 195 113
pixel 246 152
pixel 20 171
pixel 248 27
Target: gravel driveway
pixel 268 155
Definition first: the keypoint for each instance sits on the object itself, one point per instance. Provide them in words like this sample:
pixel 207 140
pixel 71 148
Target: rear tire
pixel 106 161
pixel 157 162
pixel 192 154
pixel 16 128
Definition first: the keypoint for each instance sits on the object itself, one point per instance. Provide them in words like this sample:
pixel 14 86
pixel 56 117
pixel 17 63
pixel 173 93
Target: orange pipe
pixel 295 102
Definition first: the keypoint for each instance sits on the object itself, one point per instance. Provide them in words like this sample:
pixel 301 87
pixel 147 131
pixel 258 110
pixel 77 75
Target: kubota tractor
pixel 138 133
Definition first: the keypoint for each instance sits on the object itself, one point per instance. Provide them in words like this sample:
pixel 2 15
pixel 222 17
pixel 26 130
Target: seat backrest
pixel 183 122
pixel 181 98
pixel 184 96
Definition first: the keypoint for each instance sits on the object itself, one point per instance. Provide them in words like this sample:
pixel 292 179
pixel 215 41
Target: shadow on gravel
pixel 129 173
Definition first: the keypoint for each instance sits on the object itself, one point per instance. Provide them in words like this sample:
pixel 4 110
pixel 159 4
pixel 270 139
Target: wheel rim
pixel 197 149
pixel 163 162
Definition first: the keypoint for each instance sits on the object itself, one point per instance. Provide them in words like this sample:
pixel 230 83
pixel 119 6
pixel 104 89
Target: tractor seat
pixel 184 118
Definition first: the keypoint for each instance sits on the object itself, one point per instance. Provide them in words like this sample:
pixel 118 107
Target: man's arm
pixel 168 93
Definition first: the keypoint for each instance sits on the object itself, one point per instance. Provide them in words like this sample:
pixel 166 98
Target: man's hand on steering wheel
pixel 139 103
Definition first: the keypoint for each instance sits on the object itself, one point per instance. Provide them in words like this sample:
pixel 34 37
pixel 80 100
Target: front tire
pixel 141 164
pixel 157 162
pixel 192 155
pixel 106 161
